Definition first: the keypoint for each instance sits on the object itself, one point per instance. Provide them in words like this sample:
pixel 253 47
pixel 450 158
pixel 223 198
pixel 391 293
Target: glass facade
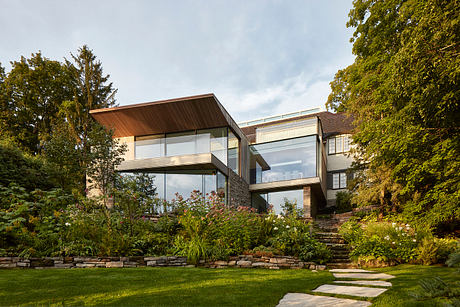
pixel 262 201
pixel 283 160
pixel 183 143
pixel 233 152
pixel 168 184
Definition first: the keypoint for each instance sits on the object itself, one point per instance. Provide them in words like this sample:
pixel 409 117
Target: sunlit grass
pixel 406 281
pixel 193 286
pixel 155 286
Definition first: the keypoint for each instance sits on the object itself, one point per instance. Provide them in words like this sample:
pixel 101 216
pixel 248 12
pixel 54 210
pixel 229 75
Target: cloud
pixel 303 91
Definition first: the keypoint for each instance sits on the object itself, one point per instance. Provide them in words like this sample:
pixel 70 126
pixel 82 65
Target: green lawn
pixel 191 286
pixel 154 286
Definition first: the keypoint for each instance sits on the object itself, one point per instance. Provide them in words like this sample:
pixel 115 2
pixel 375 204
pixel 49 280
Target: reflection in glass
pixel 182 143
pixel 183 184
pixel 210 184
pixel 261 201
pixel 283 160
pixel 222 186
pixel 233 152
pixel 151 146
pixel 217 140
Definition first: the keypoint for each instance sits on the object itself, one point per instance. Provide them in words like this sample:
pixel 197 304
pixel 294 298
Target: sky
pixel 259 58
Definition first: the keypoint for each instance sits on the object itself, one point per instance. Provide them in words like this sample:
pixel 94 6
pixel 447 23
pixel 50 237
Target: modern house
pixel 192 143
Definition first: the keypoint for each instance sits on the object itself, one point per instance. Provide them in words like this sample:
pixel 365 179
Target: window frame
pixel 343 138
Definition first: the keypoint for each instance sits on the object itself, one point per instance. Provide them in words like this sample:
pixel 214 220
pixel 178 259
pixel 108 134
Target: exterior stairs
pixel 340 250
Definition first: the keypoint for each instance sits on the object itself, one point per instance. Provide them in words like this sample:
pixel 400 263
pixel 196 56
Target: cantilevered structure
pixel 192 143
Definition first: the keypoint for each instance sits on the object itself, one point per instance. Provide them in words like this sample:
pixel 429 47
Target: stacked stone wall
pixel 242 261
pixel 239 194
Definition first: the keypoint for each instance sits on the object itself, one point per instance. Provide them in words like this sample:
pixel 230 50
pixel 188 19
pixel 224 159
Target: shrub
pixel 382 242
pixel 433 250
pixel 343 201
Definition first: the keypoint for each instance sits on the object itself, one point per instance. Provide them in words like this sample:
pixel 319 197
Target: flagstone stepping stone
pixel 350 290
pixel 363 275
pixel 349 271
pixel 378 283
pixel 307 300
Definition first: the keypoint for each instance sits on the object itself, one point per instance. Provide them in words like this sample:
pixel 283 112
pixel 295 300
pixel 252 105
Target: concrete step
pixel 341 265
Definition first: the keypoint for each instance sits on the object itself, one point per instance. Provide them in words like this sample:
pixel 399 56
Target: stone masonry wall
pixel 242 261
pixel 239 194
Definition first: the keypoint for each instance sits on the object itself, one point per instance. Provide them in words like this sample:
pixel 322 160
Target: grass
pixel 407 281
pixel 155 286
pixel 194 286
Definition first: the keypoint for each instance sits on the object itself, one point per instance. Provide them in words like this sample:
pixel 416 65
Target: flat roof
pixel 166 116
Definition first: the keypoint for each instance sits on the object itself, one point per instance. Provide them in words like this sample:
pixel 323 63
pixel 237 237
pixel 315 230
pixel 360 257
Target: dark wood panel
pixel 188 113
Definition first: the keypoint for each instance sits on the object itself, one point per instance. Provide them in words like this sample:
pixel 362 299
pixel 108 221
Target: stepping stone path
pixel 356 287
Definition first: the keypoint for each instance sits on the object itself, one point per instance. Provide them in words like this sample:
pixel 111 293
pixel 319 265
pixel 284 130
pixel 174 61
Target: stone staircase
pixel 340 250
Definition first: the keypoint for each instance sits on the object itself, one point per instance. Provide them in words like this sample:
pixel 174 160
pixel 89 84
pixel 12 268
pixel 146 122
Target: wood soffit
pixel 173 115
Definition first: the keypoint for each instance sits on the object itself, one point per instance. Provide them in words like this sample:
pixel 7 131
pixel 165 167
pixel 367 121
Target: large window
pixel 233 152
pixel 338 144
pixel 206 182
pixel 283 160
pixel 183 143
pixel 276 200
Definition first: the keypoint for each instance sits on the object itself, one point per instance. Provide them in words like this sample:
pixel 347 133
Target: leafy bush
pixel 433 250
pixel 381 242
pixel 343 201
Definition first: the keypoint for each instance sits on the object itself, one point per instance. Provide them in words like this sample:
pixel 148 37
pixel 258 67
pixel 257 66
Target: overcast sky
pixel 258 57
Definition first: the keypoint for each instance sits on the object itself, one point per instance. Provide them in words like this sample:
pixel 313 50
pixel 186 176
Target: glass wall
pixel 183 143
pixel 283 160
pixel 262 201
pixel 168 184
pixel 233 152
pixel 152 146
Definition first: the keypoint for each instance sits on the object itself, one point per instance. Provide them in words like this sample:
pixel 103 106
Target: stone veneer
pixel 239 194
pixel 241 261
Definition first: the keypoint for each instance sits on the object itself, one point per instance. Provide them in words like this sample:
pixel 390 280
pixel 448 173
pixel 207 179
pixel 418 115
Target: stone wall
pixel 91 262
pixel 267 262
pixel 242 261
pixel 239 194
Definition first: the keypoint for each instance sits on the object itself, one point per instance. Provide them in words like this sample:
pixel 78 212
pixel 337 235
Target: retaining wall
pixel 242 261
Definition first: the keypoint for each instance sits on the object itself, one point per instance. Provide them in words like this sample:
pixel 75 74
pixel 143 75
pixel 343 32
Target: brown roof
pixel 164 116
pixel 332 123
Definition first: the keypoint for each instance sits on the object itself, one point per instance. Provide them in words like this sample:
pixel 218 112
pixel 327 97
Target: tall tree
pixel 31 94
pixel 91 90
pixel 403 91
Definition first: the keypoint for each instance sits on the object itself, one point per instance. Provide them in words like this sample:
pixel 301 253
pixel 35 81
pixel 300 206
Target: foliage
pixel 22 169
pixel 454 259
pixel 106 154
pixel 44 109
pixel 435 287
pixel 383 242
pixel 434 250
pixel 32 223
pixel 343 201
pixel 402 92
pixel 31 95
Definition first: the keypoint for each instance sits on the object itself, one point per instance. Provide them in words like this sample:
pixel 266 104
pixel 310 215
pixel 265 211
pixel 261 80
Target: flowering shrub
pixel 54 223
pixel 385 242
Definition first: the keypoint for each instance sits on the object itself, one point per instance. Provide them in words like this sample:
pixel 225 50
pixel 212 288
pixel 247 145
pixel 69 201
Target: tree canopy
pixel 44 109
pixel 402 91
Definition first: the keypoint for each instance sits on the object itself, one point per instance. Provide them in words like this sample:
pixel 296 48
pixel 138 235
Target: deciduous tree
pixel 403 90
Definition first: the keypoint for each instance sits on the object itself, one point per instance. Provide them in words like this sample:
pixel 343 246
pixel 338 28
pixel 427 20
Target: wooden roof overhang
pixel 165 116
